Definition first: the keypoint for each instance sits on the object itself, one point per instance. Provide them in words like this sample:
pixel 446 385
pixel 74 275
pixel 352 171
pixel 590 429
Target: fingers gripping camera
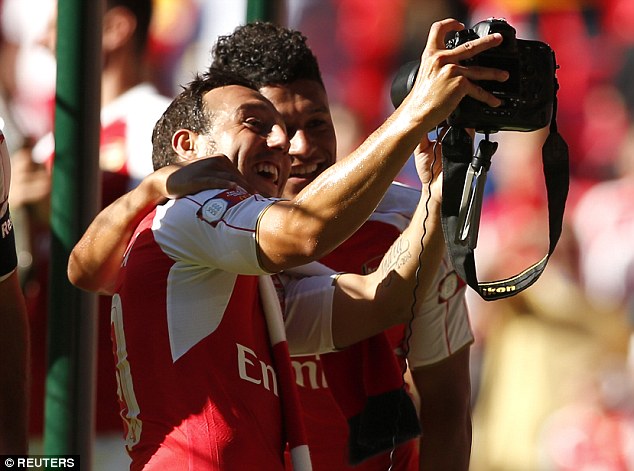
pixel 8 258
pixel 527 96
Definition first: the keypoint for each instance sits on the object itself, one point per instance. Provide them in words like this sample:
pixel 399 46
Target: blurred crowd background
pixel 553 367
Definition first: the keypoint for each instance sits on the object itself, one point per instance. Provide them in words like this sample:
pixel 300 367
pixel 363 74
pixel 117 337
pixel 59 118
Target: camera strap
pixel 457 158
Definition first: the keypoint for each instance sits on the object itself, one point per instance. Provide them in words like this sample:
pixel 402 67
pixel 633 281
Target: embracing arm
pixel 335 204
pixel 95 261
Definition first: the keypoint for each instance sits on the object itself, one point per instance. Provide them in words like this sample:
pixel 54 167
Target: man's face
pixel 247 129
pixel 304 107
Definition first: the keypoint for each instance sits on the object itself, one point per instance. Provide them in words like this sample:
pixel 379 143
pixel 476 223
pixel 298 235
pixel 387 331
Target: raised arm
pixel 335 204
pixel 94 262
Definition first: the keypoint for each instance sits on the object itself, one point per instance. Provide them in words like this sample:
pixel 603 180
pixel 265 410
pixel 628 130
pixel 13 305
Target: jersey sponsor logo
pixel 309 374
pixel 214 209
pixel 255 371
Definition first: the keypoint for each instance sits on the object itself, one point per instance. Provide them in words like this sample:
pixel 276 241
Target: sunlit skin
pixel 249 130
pixel 442 82
pixel 306 112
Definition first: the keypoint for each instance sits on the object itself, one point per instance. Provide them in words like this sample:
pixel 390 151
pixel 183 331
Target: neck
pixel 120 73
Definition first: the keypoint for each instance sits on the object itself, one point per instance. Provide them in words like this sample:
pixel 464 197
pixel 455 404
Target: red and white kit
pixel 439 328
pixel 197 380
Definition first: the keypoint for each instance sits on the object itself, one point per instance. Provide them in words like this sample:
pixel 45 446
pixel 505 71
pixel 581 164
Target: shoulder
pixel 141 100
pixel 397 206
pixel 235 207
pixel 211 229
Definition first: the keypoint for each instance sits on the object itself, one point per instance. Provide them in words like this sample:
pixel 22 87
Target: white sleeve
pixel 214 228
pixel 441 326
pixel 397 206
pixel 307 307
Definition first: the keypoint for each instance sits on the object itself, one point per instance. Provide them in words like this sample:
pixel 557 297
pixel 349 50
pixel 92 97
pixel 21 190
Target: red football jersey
pixel 196 378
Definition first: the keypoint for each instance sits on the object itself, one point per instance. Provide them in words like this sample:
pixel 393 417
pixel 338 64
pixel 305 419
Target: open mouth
pixel 268 171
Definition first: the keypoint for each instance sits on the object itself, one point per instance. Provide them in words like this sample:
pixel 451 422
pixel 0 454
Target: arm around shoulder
pixel 95 260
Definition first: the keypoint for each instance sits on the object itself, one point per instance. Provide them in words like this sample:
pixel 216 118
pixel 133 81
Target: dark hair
pixel 267 54
pixel 142 10
pixel 188 111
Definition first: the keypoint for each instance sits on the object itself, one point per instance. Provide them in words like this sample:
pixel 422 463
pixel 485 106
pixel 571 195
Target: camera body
pixel 527 95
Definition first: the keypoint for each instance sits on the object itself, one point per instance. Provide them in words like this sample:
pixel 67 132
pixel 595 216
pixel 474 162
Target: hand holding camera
pixel 524 102
pixel 443 80
pixel 526 97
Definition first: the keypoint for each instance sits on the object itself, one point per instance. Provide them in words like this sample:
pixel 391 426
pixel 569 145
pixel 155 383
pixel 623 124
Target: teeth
pixel 269 170
pixel 302 170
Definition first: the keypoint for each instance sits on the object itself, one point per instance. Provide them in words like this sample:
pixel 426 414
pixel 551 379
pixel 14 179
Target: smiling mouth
pixel 303 171
pixel 268 171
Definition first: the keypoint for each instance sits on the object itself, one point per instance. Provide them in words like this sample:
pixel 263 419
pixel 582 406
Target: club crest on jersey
pixel 449 286
pixel 214 209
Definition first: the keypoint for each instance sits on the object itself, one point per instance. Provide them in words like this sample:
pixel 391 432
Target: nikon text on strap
pixel 460 211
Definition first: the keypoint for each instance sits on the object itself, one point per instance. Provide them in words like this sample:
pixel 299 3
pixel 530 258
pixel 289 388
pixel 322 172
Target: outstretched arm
pixel 94 262
pixel 336 203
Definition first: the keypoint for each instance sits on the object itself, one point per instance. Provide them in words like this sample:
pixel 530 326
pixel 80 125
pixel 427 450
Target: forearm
pixel 13 368
pixel 445 412
pixel 337 203
pixel 332 207
pixel 366 305
pixel 94 262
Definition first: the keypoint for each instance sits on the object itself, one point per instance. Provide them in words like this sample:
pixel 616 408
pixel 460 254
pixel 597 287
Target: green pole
pixel 265 10
pixel 69 401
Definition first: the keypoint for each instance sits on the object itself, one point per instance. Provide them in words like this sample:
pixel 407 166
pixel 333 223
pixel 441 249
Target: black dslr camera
pixel 527 95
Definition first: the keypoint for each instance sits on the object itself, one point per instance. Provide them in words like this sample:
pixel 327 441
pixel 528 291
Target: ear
pixel 119 25
pixel 184 144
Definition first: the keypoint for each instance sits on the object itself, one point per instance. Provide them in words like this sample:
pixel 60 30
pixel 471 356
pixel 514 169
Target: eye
pixel 257 125
pixel 316 123
pixel 253 122
pixel 319 122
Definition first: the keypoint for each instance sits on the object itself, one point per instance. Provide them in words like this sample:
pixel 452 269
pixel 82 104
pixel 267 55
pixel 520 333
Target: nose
pixel 277 138
pixel 299 143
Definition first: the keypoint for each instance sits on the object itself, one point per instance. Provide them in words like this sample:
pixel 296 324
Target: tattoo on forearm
pixel 398 256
